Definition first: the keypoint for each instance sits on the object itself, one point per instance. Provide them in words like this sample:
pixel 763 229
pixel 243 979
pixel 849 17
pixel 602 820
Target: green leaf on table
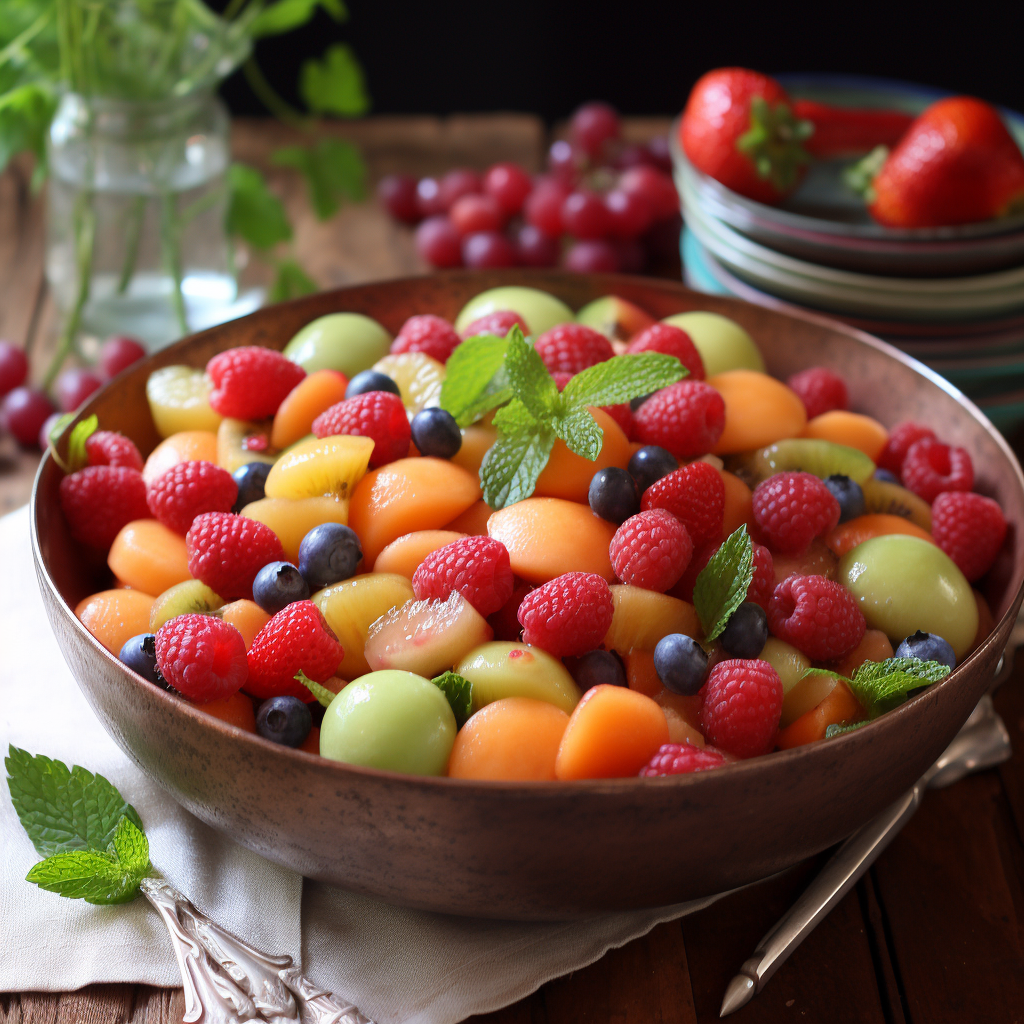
pixel 322 694
pixel 513 463
pixel 290 282
pixel 25 116
pixel 459 692
pixel 879 686
pixel 475 378
pixel 255 214
pixel 722 584
pixel 64 809
pixel 333 170
pixel 288 15
pixel 335 84
pixel 623 378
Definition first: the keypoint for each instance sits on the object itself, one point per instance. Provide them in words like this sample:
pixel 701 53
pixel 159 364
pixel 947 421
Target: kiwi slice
pixel 183 599
pixel 241 441
pixel 802 454
pixel 882 496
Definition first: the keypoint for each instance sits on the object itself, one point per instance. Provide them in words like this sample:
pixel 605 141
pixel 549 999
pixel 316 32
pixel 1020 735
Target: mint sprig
pixel 475 379
pixel 459 692
pixel 322 694
pixel 722 584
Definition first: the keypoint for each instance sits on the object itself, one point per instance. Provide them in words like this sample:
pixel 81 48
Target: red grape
pixel 592 126
pixel 397 193
pixel 509 185
pixel 428 197
pixel 631 155
pixel 471 214
pixel 438 242
pixel 488 249
pixel 535 248
pixel 118 353
pixel 584 215
pixel 456 184
pixel 655 187
pixel 44 431
pixel 566 162
pixel 658 153
pixel 13 367
pixel 543 206
pixel 24 411
pixel 74 386
pixel 591 256
pixel 629 213
pixel 632 256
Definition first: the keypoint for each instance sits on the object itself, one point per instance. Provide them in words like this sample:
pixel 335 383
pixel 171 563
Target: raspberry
pixel 187 490
pixel 573 347
pixel 792 508
pixel 931 467
pixel 695 495
pixel 672 341
pixel 817 616
pixel 970 528
pixel 901 437
pixel 201 656
pixel 686 418
pixel 477 567
pixel 430 334
pixel 623 415
pixel 98 500
pixel 296 638
pixel 226 551
pixel 680 758
pixel 108 448
pixel 651 550
pixel 742 707
pixel 499 323
pixel 505 621
pixel 379 415
pixel 567 615
pixel 698 562
pixel 250 382
pixel 820 390
pixel 561 378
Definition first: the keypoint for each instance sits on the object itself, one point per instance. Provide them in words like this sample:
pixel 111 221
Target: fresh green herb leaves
pixel 25 116
pixel 333 170
pixel 335 84
pixel 722 584
pixel 90 835
pixel 475 379
pixel 322 694
pixel 512 465
pixel 459 692
pixel 290 282
pixel 288 15
pixel 254 213
pixel 608 383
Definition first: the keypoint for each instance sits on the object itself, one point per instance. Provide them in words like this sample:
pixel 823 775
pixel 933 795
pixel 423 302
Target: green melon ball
pixel 349 342
pixel 903 584
pixel 722 343
pixel 540 310
pixel 394 720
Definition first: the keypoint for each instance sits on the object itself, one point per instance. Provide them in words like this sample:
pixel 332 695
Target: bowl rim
pixel 556 788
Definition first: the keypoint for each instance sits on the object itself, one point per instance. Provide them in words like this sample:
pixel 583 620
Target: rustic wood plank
pixel 29 1008
pixel 1009 702
pixel 890 989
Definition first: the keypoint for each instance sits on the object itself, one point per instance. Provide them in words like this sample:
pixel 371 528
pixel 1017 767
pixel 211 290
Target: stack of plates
pixel 952 297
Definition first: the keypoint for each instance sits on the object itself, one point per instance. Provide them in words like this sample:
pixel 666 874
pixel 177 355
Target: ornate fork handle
pixel 227 981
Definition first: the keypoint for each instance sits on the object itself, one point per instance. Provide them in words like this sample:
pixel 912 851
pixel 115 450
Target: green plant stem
pixel 234 8
pixel 19 41
pixel 271 100
pixel 133 234
pixel 170 247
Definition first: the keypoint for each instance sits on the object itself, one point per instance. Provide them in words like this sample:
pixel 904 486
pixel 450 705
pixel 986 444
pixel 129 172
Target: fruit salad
pixel 530 544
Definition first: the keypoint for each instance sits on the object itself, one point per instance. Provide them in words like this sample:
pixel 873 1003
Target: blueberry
pixel 284 720
pixel 614 495
pixel 596 668
pixel 681 663
pixel 371 380
pixel 139 654
pixel 252 480
pixel 649 464
pixel 328 554
pixel 746 632
pixel 885 476
pixel 435 432
pixel 849 495
pixel 277 585
pixel 927 647
pixel 635 403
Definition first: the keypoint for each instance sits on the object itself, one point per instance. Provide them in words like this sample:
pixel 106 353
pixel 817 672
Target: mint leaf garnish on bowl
pixel 322 694
pixel 475 379
pixel 459 692
pixel 722 584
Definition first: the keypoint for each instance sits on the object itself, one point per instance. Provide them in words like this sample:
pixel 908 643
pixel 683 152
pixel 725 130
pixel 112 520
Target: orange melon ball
pixel 185 446
pixel 313 395
pixel 739 504
pixel 853 429
pixel 115 616
pixel 568 475
pixel 403 556
pixel 473 522
pixel 759 410
pixel 848 535
pixel 149 557
pixel 476 440
pixel 235 710
pixel 247 617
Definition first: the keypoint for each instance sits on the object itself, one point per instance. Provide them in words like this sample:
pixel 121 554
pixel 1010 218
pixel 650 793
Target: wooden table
pixel 934 933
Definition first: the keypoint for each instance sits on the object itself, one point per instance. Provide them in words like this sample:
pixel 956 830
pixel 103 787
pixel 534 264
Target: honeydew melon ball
pixel 349 342
pixel 540 310
pixel 397 721
pixel 903 584
pixel 722 343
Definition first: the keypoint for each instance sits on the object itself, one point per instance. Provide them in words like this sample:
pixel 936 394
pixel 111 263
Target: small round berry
pixel 791 509
pixel 536 249
pixel 118 353
pixel 479 568
pixel 927 647
pixel 593 125
pixel 432 335
pixel 74 386
pixel 970 528
pixel 509 184
pixel 614 494
pixel 139 654
pixel 931 467
pixel 695 495
pixel 746 632
pixel 438 242
pixel 651 550
pixel 498 323
pixel 681 758
pixel 669 341
pixel 681 663
pixel 397 193
pixel 592 256
pixel 284 720
pixel 23 411
pixel 901 438
pixel 328 554
pixel 488 249
pixel 817 616
pixel 597 668
pixel 572 348
pixel 687 418
pixel 435 432
pixel 568 615
pixel 371 380
pixel 201 656
pixel 849 495
pixel 886 476
pixel 649 464
pixel 252 481
pixel 13 366
pixel 820 390
pixel 277 585
pixel 742 707
pixel 378 415
pixel 46 429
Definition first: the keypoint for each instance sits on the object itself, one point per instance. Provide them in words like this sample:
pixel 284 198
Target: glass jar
pixel 136 237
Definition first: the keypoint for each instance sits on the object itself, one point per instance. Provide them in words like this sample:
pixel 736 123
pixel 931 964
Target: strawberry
pixel 957 164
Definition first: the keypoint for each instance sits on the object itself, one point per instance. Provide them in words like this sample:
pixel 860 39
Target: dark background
pixel 642 57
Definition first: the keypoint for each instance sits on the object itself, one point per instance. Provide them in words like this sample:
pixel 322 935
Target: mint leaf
pixel 335 85
pixel 475 379
pixel 64 810
pixel 879 686
pixel 529 378
pixel 288 15
pixel 322 694
pixel 623 378
pixel 333 170
pixel 459 692
pixel 581 432
pixel 512 464
pixel 838 730
pixel 515 418
pixel 255 214
pixel 131 847
pixel 722 585
pixel 291 282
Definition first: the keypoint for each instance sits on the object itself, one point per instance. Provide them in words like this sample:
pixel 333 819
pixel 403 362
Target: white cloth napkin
pixel 398 966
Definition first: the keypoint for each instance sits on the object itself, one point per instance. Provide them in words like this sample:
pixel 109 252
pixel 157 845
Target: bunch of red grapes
pixel 602 205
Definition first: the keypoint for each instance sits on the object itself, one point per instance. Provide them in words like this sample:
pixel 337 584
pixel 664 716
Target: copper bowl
pixel 540 850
